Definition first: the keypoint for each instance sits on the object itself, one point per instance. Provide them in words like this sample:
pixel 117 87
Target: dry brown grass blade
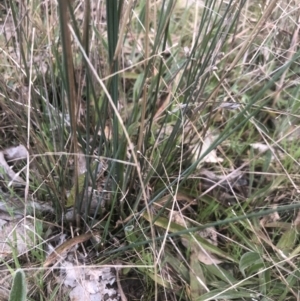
pixel 291 52
pixel 252 36
pixel 145 90
pixel 65 247
pixel 245 46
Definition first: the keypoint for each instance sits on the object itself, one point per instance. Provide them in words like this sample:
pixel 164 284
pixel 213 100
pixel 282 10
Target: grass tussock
pixel 164 137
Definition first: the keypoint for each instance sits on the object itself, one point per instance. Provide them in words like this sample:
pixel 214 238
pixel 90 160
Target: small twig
pixel 121 292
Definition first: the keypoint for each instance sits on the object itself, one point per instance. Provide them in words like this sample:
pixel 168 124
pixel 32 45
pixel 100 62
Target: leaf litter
pixel 18 233
pixel 210 234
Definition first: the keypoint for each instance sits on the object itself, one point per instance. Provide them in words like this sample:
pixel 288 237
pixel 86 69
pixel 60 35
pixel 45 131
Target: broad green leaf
pixel 228 293
pixel 157 278
pixel 249 259
pixel 177 265
pixel 163 223
pixel 287 241
pixel 295 251
pixel 197 278
pixel 221 273
pixel 18 290
pixel 242 236
pixel 264 281
pixel 291 280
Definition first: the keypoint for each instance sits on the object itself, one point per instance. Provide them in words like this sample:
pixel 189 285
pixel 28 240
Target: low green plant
pixel 135 96
pixel 19 288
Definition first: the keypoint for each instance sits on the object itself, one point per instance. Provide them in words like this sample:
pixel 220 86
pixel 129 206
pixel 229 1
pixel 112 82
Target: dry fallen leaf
pixel 206 257
pixel 81 162
pixel 260 147
pixel 5 170
pixel 270 218
pixel 297 219
pixel 198 279
pixel 17 234
pixel 210 234
pixel 87 283
pixel 16 152
pixel 198 152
